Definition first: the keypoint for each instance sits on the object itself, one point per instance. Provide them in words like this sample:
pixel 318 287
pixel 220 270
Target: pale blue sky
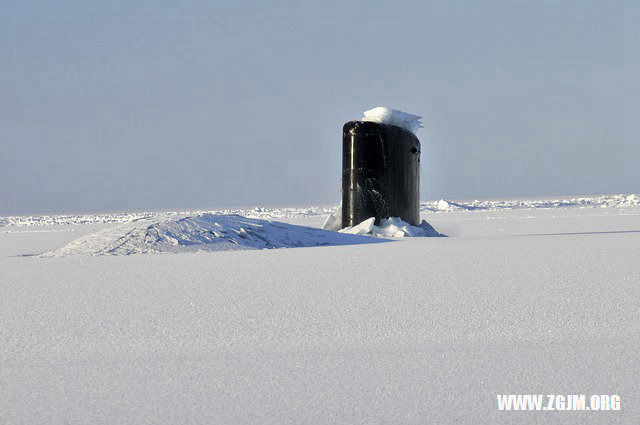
pixel 118 105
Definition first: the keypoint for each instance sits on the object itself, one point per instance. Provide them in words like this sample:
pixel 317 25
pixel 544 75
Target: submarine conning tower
pixel 380 173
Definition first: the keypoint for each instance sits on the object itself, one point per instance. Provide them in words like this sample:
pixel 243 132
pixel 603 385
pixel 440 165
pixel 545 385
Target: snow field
pixel 419 330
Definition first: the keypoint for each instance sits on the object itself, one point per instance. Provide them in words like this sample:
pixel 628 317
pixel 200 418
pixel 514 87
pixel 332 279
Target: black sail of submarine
pixel 380 173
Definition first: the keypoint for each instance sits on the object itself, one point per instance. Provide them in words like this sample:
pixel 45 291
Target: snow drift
pixel 204 232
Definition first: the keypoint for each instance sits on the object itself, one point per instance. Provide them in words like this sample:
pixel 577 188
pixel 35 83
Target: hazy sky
pixel 118 105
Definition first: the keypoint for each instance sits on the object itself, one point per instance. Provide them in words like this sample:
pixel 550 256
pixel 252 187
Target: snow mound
pixel 443 205
pixel 204 232
pixel 394 117
pixel 391 228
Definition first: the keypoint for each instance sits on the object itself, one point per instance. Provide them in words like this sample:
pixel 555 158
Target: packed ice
pixel 334 220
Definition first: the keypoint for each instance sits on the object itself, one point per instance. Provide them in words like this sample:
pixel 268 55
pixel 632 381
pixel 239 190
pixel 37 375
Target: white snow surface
pixel 386 115
pixel 525 296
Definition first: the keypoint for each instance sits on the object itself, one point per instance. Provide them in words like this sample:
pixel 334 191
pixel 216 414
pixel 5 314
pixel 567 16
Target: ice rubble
pixel 204 232
pixel 599 201
pixel 393 227
pixel 334 220
pixel 385 115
